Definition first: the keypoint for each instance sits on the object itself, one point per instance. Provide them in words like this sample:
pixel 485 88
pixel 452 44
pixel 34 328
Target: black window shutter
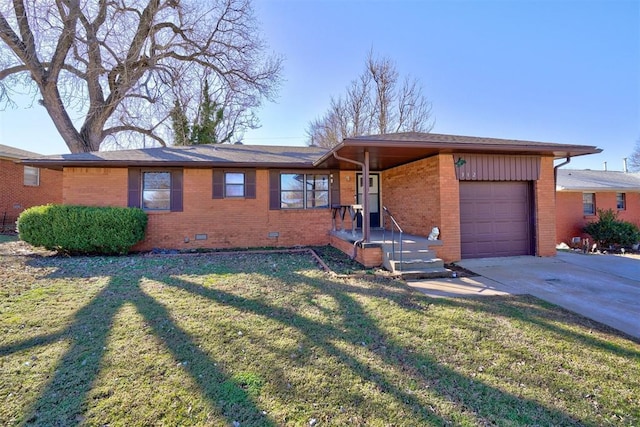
pixel 176 191
pixel 250 184
pixel 335 187
pixel 218 184
pixel 133 193
pixel 274 190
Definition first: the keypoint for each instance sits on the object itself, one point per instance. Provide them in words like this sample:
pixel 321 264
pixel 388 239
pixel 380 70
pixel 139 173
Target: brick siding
pixel 570 218
pixel 421 194
pixel 368 256
pixel 226 223
pixel 425 194
pixel 545 214
pixel 16 197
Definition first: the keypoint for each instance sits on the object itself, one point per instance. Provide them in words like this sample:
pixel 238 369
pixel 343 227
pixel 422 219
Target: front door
pixel 374 199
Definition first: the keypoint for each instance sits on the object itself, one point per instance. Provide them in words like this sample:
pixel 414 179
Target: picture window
pixel 304 191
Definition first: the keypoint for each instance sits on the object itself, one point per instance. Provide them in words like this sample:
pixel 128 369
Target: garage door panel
pixel 484 209
pixel 495 218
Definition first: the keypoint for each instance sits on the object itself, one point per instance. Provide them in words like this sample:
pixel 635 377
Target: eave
pixel 386 154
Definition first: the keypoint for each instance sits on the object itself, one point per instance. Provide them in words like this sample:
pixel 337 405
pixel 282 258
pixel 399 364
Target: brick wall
pixel 425 194
pixel 545 214
pixel 422 194
pixel 95 186
pixel 16 197
pixel 227 223
pixel 348 195
pixel 570 219
pixel 347 187
pixel 370 256
pixel 449 222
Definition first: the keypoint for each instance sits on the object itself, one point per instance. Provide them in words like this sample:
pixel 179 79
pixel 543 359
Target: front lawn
pixel 269 339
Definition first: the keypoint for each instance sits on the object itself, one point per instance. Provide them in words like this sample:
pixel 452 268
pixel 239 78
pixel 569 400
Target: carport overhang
pixel 389 151
pixel 381 152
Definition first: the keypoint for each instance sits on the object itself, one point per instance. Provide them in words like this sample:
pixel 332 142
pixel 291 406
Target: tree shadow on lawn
pixel 76 373
pixel 553 319
pixel 78 369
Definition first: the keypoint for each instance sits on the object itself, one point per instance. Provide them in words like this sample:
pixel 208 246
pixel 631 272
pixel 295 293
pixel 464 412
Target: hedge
pixel 83 229
pixel 609 231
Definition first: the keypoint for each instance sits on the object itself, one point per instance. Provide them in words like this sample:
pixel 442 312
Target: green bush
pixel 608 231
pixel 83 229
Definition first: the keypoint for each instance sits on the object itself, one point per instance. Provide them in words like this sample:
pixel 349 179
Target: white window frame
pixel 229 185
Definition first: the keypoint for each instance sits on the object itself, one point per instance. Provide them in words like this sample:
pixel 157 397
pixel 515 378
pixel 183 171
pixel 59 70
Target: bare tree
pixel 634 158
pixel 118 66
pixel 374 103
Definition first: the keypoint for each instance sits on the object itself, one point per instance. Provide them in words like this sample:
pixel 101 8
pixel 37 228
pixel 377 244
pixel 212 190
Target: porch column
pixel 366 229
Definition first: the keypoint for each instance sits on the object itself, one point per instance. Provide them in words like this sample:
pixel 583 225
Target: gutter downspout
pixel 365 193
pixel 555 172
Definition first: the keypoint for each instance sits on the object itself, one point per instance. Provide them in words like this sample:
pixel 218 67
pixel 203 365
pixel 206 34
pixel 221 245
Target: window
pixel 317 191
pixel 31 176
pixel 304 191
pixel 589 203
pixel 621 202
pixel 234 184
pixel 156 191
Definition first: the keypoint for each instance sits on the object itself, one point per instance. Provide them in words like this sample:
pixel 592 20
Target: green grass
pixel 268 339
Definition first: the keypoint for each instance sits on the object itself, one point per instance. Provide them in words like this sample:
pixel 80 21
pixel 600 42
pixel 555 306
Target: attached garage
pixel 496 205
pixel 495 219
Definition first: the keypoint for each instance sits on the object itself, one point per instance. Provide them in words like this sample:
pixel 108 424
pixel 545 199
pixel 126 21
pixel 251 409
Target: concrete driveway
pixel 605 288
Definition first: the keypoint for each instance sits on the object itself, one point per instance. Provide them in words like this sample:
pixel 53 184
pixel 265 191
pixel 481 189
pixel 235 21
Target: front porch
pixel 406 254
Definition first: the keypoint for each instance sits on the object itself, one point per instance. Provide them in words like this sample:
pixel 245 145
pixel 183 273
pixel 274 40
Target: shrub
pixel 83 229
pixel 609 231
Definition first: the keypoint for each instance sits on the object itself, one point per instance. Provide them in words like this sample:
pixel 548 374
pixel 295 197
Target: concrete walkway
pixel 605 288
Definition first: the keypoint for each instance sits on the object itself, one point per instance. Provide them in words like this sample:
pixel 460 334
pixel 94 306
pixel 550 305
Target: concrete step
pixel 408 256
pixel 434 273
pixel 416 264
pixel 418 261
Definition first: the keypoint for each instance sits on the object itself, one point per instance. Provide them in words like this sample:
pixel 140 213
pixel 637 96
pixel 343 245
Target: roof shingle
pixel 15 153
pixel 596 180
pixel 193 155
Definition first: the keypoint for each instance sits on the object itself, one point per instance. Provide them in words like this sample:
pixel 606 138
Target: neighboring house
pixel 23 186
pixel 489 197
pixel 581 193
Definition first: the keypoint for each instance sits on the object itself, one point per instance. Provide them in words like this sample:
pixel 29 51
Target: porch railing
pixel 395 229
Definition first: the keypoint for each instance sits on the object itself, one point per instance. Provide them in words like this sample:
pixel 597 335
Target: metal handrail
pixel 393 240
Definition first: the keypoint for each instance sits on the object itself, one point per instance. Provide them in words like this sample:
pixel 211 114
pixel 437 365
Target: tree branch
pixel 22 68
pixel 132 128
pixel 64 42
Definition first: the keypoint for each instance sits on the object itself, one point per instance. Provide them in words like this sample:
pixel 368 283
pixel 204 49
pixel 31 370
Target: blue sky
pixel 555 71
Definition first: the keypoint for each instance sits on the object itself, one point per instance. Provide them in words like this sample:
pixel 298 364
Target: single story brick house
pixel 23 186
pixel 487 196
pixel 581 193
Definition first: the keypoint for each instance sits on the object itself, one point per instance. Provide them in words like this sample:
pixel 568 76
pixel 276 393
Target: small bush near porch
pixel 268 339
